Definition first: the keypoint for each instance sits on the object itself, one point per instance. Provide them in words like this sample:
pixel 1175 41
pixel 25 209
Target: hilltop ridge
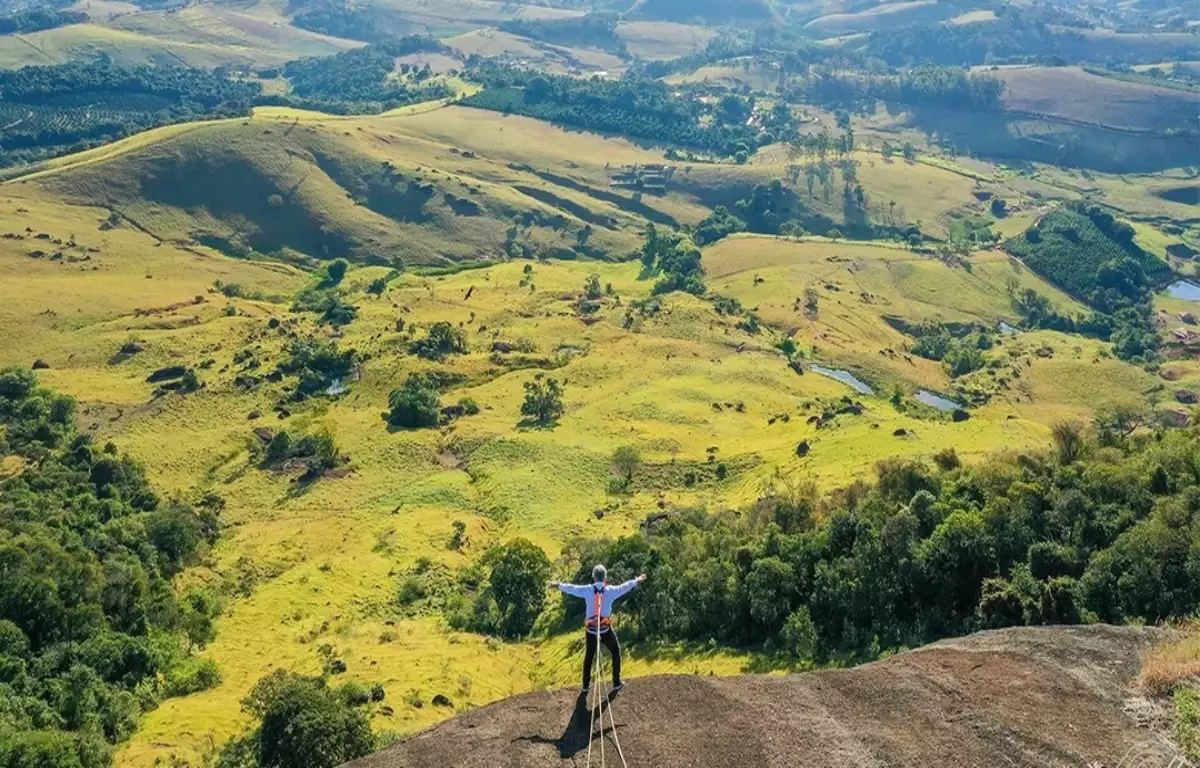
pixel 1047 696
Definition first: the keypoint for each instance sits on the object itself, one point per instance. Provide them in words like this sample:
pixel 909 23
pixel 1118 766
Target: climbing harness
pixel 596 696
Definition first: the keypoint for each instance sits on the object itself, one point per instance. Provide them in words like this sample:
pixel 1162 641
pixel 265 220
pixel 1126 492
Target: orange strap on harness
pixel 602 621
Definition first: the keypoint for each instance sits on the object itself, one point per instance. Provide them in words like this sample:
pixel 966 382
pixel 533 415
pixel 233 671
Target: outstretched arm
pixel 574 590
pixel 621 590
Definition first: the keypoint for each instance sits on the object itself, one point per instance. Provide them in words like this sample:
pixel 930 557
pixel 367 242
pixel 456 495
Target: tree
pixel 768 587
pixel 543 400
pixel 812 302
pixel 1068 441
pixel 519 571
pixel 443 339
pixel 625 461
pixel 957 558
pixel 799 636
pixel 336 272
pixel 1115 425
pixel 415 405
pixel 304 724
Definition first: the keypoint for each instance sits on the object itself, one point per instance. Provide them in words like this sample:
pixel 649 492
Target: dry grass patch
pixel 1167 667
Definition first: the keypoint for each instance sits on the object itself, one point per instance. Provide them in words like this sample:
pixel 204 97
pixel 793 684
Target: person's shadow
pixel 583 727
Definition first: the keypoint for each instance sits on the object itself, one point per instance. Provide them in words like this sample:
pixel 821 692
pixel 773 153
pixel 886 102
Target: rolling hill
pixel 806 363
pixel 319 566
pixel 1075 95
pixel 205 35
pixel 881 17
pixel 362 189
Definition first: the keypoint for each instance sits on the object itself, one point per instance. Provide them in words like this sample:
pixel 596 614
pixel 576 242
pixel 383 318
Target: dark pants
pixel 609 638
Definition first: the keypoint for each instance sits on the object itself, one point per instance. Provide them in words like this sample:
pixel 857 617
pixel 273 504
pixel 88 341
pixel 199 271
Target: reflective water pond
pixel 1185 290
pixel 937 401
pixel 847 378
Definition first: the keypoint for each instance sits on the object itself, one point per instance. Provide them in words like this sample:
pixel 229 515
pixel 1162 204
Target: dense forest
pixel 357 81
pixel 91 632
pixel 639 108
pixel 37 19
pixel 53 109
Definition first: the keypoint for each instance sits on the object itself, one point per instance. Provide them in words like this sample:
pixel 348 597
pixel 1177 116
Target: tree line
pixel 637 107
pixel 66 107
pixel 1103 527
pixel 92 634
pixel 372 24
pixel 37 19
pixel 356 81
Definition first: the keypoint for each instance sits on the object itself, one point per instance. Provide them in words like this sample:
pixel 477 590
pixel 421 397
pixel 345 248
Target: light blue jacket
pixel 608 596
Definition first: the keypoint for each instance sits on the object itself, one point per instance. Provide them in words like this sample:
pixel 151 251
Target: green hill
pixel 310 188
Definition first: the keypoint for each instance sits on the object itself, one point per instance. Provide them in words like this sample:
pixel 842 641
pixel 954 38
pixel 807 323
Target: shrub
pixel 318 453
pixel 946 459
pixel 799 635
pixel 519 571
pixel 443 339
pixel 543 401
pixel 192 677
pixel 330 305
pixel 415 405
pixel 335 272
pixel 318 366
pixel 301 723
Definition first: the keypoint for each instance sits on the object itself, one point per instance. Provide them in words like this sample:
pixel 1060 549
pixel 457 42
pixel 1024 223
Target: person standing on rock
pixel 599 598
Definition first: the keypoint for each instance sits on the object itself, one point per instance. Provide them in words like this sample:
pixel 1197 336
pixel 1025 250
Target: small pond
pixel 1185 290
pixel 936 401
pixel 1006 328
pixel 847 378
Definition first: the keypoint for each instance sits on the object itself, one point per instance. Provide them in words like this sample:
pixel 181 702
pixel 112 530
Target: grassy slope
pixel 881 16
pixel 318 166
pixel 325 561
pixel 200 36
pixel 663 39
pixel 1070 92
pixel 325 558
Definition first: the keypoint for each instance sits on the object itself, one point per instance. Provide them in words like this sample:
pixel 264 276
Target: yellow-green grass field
pixel 732 75
pixel 321 564
pixel 663 39
pixel 302 180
